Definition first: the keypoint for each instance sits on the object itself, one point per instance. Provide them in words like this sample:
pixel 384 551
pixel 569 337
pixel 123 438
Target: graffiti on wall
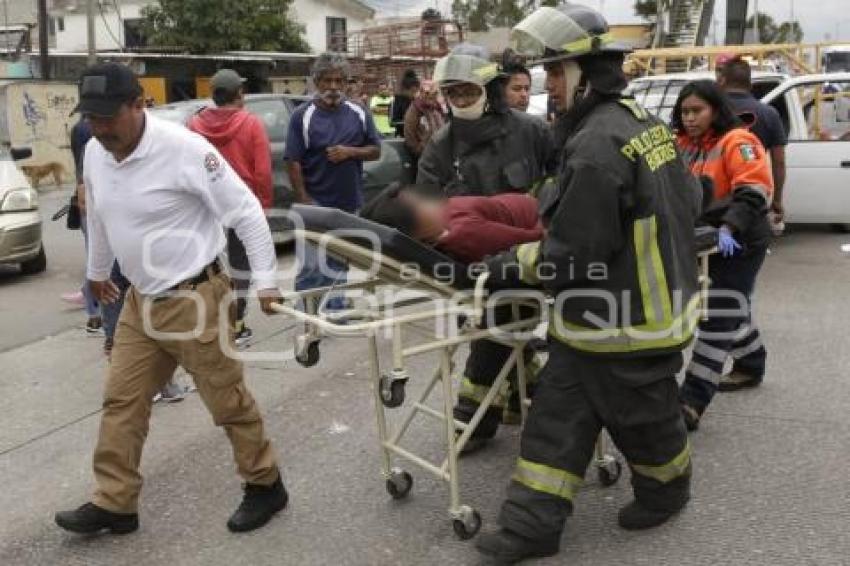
pixel 33 116
pixel 38 116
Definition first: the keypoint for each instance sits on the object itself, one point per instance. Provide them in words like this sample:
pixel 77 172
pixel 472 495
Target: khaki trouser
pixel 141 365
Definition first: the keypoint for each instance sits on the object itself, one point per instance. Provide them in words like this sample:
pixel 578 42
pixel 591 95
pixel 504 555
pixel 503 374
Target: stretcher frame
pixel 389 389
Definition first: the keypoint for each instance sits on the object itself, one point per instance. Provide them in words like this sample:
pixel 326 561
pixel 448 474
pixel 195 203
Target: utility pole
pixel 42 40
pixel 756 34
pixel 92 48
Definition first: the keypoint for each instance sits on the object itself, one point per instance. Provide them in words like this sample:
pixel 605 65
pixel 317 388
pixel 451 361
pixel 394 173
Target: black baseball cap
pixel 105 87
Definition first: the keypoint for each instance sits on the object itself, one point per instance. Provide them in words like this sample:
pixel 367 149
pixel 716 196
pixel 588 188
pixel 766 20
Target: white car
pixel 20 219
pixel 815 110
pixel 538 103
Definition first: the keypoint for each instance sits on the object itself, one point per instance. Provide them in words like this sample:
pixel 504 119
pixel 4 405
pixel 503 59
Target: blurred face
pixel 697 115
pixel 119 134
pixel 463 95
pixel 353 89
pixel 383 89
pixel 429 92
pixel 518 91
pixel 331 85
pixel 429 217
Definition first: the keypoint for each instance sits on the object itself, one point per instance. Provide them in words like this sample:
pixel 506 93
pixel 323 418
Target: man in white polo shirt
pixel 158 198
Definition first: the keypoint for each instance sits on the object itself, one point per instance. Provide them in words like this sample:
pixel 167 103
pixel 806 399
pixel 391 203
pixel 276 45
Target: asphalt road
pixel 770 465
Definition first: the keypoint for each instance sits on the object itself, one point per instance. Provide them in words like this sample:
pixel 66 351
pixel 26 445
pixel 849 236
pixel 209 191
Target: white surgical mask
pixel 471 112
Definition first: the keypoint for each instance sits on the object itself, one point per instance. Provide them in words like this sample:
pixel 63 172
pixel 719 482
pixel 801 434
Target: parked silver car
pixel 20 218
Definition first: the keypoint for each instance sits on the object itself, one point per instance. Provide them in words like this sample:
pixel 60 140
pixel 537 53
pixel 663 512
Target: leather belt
pixel 190 283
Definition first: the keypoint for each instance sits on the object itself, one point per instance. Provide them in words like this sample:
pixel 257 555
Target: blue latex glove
pixel 727 244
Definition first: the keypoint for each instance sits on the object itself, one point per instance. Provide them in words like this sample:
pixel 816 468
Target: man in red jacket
pixel 242 140
pixel 465 228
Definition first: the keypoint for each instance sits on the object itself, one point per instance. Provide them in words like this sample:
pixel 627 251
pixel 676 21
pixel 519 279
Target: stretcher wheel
pixel 609 474
pixel 392 391
pixel 399 483
pixel 310 356
pixel 469 526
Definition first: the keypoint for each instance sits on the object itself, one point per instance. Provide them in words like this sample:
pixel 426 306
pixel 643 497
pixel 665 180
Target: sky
pixel 822 20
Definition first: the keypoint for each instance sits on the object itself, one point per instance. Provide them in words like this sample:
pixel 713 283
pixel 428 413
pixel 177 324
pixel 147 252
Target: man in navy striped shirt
pixel 329 139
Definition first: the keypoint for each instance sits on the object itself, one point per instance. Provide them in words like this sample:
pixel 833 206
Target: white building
pixel 325 22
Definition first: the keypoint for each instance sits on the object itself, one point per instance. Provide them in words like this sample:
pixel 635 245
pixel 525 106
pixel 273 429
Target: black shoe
pixel 508 547
pixel 90 518
pixel 635 517
pixel 737 380
pixel 243 335
pixel 259 505
pixel 483 433
pixel 691 416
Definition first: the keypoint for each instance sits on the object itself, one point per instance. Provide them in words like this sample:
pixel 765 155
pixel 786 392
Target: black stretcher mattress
pixel 405 249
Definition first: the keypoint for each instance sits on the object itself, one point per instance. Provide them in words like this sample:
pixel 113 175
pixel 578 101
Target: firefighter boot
pixel 507 547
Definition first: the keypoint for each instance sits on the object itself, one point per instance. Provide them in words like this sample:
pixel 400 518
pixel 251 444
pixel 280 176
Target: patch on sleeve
pixel 212 163
pixel 748 152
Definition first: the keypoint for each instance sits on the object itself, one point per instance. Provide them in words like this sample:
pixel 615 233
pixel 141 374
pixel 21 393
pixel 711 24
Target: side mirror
pixel 19 153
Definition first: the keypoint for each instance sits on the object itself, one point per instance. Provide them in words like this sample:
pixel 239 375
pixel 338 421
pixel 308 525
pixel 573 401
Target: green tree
pixel 213 26
pixel 772 32
pixel 646 9
pixel 481 15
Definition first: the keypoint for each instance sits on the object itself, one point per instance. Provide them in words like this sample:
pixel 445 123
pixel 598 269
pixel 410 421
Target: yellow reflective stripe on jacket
pixel 527 256
pixel 635 108
pixel 636 338
pixel 475 392
pixel 653 283
pixel 553 481
pixel 673 469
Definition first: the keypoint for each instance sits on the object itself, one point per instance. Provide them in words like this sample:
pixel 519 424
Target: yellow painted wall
pixel 638 36
pixel 38 116
pixel 155 87
pixel 202 87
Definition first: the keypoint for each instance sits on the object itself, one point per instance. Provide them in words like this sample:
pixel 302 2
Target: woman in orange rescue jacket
pixel 715 144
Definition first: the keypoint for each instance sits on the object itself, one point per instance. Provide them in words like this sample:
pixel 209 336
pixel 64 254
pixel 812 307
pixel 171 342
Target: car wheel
pixel 36 264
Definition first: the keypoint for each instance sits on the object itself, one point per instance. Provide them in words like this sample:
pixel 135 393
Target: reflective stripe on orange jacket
pixel 734 161
pixel 740 171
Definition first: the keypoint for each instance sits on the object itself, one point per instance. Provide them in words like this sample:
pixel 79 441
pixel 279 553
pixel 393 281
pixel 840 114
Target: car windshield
pixel 658 97
pixel 177 114
pixel 275 115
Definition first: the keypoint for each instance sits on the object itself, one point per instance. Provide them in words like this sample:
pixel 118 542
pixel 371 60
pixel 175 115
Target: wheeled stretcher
pixel 408 285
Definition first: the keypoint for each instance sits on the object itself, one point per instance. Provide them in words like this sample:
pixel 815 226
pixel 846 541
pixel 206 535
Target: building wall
pixel 309 13
pixel 37 115
pixel 109 29
pixel 312 13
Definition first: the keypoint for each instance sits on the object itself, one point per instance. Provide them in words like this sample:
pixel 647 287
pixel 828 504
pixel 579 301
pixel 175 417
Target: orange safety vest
pixel 734 161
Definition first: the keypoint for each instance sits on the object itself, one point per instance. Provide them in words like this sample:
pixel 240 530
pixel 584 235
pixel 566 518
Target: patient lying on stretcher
pixel 465 228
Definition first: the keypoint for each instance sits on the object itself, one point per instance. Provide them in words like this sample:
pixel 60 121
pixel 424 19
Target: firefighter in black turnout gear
pixel 486 149
pixel 619 259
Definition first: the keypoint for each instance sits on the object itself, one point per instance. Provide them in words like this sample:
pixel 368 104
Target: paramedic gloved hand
pixel 726 242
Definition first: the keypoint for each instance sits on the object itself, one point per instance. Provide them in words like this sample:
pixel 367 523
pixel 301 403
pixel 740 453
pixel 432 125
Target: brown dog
pixel 35 173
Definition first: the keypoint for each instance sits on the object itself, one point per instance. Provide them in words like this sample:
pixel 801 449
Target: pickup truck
pixel 815 110
pixel 395 163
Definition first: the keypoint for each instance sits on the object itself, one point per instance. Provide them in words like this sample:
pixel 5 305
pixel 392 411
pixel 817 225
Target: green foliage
pixel 213 26
pixel 481 15
pixel 646 9
pixel 772 32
